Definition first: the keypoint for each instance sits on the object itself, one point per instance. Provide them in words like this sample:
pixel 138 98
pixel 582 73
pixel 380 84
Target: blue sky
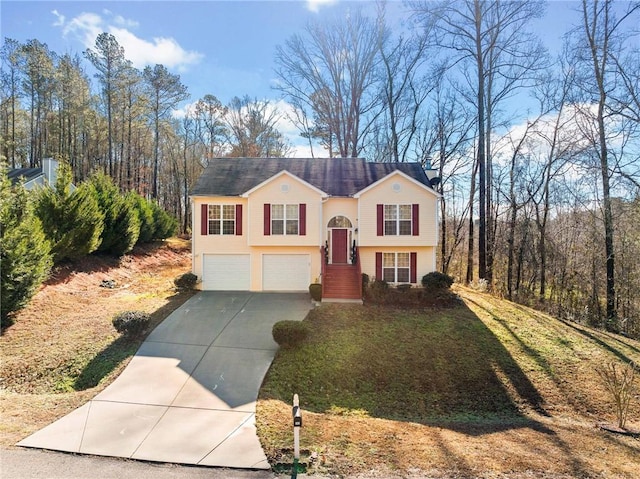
pixel 224 48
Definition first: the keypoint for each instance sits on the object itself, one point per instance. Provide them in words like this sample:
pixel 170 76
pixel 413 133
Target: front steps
pixel 341 283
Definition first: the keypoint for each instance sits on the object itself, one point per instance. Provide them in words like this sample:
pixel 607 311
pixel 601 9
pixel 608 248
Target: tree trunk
pixel 470 248
pixel 481 147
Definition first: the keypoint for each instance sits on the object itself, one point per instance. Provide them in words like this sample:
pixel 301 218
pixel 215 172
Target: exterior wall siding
pixel 284 190
pixel 212 244
pixel 361 211
pixel 425 259
pixel 398 190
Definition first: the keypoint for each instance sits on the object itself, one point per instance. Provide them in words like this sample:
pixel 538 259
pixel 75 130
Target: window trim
pixel 233 209
pixel 413 266
pixel 221 220
pixel 397 221
pixel 410 225
pixel 285 219
pixel 395 267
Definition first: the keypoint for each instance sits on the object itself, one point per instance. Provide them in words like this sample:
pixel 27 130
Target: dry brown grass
pixel 561 440
pixel 69 323
pixel 63 349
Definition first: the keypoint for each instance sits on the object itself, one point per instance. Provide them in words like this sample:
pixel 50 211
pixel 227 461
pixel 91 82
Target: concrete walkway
pixel 189 394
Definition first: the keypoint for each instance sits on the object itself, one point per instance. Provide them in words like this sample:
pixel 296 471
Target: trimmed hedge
pixel 131 324
pixel 436 280
pixel 186 281
pixel 290 333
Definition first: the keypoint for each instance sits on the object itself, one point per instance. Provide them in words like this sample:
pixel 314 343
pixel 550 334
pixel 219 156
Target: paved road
pixel 39 464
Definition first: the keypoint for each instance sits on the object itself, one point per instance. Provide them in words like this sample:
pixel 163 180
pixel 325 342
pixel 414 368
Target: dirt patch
pixel 62 349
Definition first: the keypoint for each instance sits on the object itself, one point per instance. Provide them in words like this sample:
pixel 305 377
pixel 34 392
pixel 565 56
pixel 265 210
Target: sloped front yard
pixel 487 389
pixel 63 350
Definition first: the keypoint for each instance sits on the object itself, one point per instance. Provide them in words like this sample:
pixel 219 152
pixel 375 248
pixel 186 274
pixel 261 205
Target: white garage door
pixel 286 272
pixel 226 272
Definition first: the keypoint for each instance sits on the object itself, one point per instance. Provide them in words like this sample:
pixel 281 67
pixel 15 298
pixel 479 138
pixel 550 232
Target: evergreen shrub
pixel 121 221
pixel 186 281
pixel 145 215
pixel 436 281
pixel 131 324
pixel 25 251
pixel 165 225
pixel 71 220
pixel 290 333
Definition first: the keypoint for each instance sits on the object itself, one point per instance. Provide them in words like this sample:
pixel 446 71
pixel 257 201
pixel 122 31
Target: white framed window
pixel 396 267
pixel 285 219
pixel 222 219
pixel 398 220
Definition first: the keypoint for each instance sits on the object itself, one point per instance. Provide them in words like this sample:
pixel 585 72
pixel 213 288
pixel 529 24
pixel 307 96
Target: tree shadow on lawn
pixel 122 348
pixel 603 344
pixel 442 368
pixel 596 335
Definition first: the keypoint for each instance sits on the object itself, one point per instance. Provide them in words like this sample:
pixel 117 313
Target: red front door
pixel 339 246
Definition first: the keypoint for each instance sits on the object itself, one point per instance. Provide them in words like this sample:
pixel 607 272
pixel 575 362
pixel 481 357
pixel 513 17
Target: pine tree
pixel 165 224
pixel 145 214
pixel 121 221
pixel 25 252
pixel 72 220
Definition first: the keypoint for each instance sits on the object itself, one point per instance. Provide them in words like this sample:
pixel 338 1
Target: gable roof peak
pixel 342 177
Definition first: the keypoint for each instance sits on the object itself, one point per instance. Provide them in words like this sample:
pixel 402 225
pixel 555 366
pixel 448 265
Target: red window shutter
pixel 379 266
pixel 267 219
pixel 302 219
pixel 415 209
pixel 204 220
pixel 238 220
pixel 380 219
pixel 413 266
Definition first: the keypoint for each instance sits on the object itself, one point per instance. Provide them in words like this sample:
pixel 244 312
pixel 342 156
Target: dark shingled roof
pixel 27 173
pixel 334 176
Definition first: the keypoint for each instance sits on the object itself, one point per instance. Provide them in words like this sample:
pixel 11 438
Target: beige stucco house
pixel 279 224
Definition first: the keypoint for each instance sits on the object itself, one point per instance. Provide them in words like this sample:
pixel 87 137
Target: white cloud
pixel 142 52
pixel 314 5
pixel 86 26
pixel 59 18
pixel 165 51
pixel 125 22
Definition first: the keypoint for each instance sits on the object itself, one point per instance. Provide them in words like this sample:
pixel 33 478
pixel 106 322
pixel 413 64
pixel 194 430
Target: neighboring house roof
pixel 29 174
pixel 43 176
pixel 335 176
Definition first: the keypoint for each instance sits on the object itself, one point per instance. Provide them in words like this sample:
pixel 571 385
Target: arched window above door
pixel 339 222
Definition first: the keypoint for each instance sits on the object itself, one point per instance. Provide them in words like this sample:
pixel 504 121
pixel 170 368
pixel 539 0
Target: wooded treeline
pixel 538 154
pixel 122 121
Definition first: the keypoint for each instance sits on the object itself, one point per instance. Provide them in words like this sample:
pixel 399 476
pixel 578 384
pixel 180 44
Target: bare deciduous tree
pixel 252 129
pixel 494 51
pixel 598 45
pixel 328 74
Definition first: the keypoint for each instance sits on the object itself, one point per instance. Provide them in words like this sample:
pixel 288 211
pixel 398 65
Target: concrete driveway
pixel 189 394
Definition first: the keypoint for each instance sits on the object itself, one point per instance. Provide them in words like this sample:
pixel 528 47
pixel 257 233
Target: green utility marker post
pixel 297 424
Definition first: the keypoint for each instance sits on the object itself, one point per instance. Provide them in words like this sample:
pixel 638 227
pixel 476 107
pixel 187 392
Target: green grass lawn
pixel 485 387
pixel 401 365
